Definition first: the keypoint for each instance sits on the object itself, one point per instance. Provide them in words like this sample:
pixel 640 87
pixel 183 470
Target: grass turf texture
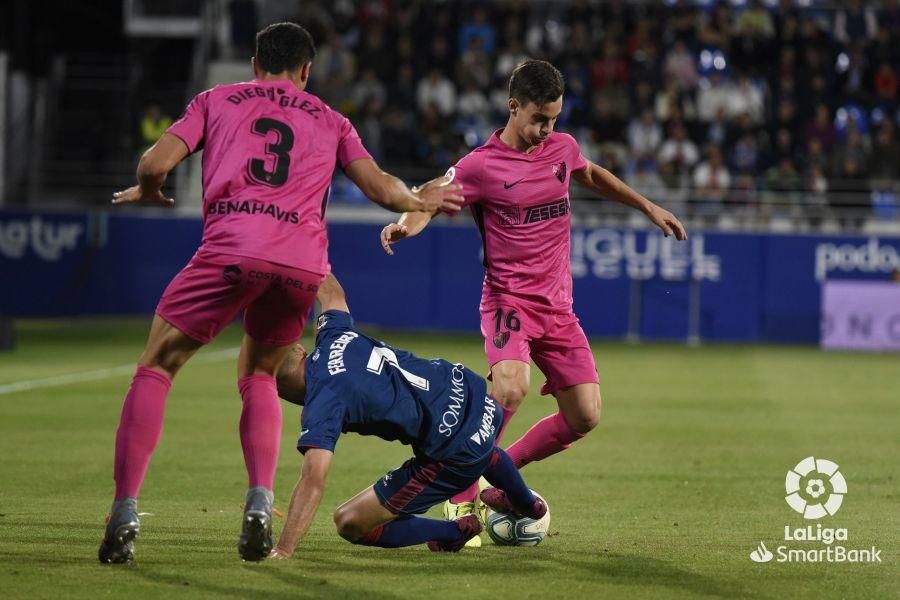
pixel 666 499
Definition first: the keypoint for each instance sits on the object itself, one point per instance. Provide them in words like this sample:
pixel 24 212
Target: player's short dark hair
pixel 536 81
pixel 283 47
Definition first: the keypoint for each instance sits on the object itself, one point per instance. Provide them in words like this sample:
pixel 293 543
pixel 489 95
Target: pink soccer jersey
pixel 520 202
pixel 269 153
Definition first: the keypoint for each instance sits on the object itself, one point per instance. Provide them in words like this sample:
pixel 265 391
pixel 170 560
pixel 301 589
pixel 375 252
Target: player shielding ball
pixel 517 187
pixel 270 150
pixel 352 382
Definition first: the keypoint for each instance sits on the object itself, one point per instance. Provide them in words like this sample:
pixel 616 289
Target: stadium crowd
pixel 744 102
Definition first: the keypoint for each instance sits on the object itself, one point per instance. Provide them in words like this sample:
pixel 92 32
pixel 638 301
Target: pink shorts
pixel 213 288
pixel 556 342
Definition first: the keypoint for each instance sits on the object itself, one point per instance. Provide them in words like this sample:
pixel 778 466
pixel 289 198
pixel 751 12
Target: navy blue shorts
pixel 420 483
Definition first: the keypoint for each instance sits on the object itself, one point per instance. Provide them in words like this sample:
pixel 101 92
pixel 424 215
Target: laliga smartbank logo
pixel 815 488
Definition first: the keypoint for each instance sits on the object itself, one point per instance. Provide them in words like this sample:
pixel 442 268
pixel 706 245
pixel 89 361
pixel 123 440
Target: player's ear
pixel 304 72
pixel 513 105
pixel 254 67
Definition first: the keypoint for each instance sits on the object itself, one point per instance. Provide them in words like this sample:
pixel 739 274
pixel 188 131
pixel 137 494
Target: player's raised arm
pixel 155 165
pixel 331 295
pixel 305 501
pixel 602 182
pixel 388 191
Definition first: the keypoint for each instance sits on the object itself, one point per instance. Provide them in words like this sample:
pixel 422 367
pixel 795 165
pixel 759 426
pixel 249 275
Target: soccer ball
pixel 506 530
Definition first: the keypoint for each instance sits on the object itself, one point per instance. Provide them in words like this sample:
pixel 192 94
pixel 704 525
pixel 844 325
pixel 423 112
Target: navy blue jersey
pixel 360 384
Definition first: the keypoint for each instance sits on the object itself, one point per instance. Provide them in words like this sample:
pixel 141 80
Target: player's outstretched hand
pixel 279 554
pixel 669 224
pixel 439 194
pixel 391 234
pixel 136 194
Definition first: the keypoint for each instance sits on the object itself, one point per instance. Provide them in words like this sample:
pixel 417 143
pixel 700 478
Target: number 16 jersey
pixel 269 154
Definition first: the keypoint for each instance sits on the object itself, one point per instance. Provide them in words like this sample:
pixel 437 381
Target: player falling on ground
pixel 517 186
pixel 352 382
pixel 270 150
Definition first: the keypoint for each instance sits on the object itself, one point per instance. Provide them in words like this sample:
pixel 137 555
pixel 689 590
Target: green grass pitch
pixel 666 499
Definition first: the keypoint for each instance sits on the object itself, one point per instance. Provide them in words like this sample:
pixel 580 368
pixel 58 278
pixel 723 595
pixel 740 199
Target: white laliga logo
pixel 761 554
pixel 812 501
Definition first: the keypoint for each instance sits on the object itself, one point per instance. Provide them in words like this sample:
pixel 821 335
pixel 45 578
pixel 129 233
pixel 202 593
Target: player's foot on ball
pixel 122 528
pixel 454 511
pixel 469 527
pixel 498 500
pixel 256 530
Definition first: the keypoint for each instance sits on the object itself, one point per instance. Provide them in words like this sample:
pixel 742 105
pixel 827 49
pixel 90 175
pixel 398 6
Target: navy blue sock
pixel 410 531
pixel 504 475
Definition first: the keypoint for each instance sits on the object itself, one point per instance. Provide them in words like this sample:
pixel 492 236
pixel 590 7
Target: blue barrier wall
pixel 751 287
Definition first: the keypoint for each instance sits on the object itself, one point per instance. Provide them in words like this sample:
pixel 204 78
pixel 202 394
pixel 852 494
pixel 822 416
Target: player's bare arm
pixel 391 193
pixel 410 223
pixel 331 295
pixel 304 501
pixel 602 182
pixel 155 165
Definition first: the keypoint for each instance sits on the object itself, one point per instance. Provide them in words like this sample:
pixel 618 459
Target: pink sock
pixel 260 428
pixel 545 438
pixel 471 493
pixel 140 426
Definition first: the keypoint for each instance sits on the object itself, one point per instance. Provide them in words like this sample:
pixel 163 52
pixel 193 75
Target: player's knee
pixel 510 391
pixel 510 397
pixel 587 418
pixel 347 525
pixel 169 361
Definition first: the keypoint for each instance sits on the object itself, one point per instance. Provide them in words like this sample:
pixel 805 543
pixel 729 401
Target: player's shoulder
pixel 562 138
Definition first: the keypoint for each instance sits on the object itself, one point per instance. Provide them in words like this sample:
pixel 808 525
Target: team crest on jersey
pixel 559 170
pixel 508 215
pixel 500 339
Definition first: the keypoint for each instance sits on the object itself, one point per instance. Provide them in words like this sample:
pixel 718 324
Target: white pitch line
pixel 56 380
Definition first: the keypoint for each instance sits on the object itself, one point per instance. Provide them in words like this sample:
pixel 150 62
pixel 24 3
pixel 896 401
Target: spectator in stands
pixel 369 95
pixel 715 93
pixel 673 104
pixel 716 30
pixel 475 65
pixel 680 66
pixel 609 69
pixel 510 57
pixel 854 146
pixel 153 124
pixel 644 136
pixel 335 68
pixel 472 105
pixel 402 92
pixel 820 127
pixel 748 98
pixel 711 182
pixel 849 192
pixel 856 22
pixel 438 91
pixel 376 53
pixel 885 84
pixel 884 163
pixel 478 28
pixel 678 150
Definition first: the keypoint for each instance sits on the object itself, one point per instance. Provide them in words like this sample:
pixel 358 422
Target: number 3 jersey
pixel 360 384
pixel 269 154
